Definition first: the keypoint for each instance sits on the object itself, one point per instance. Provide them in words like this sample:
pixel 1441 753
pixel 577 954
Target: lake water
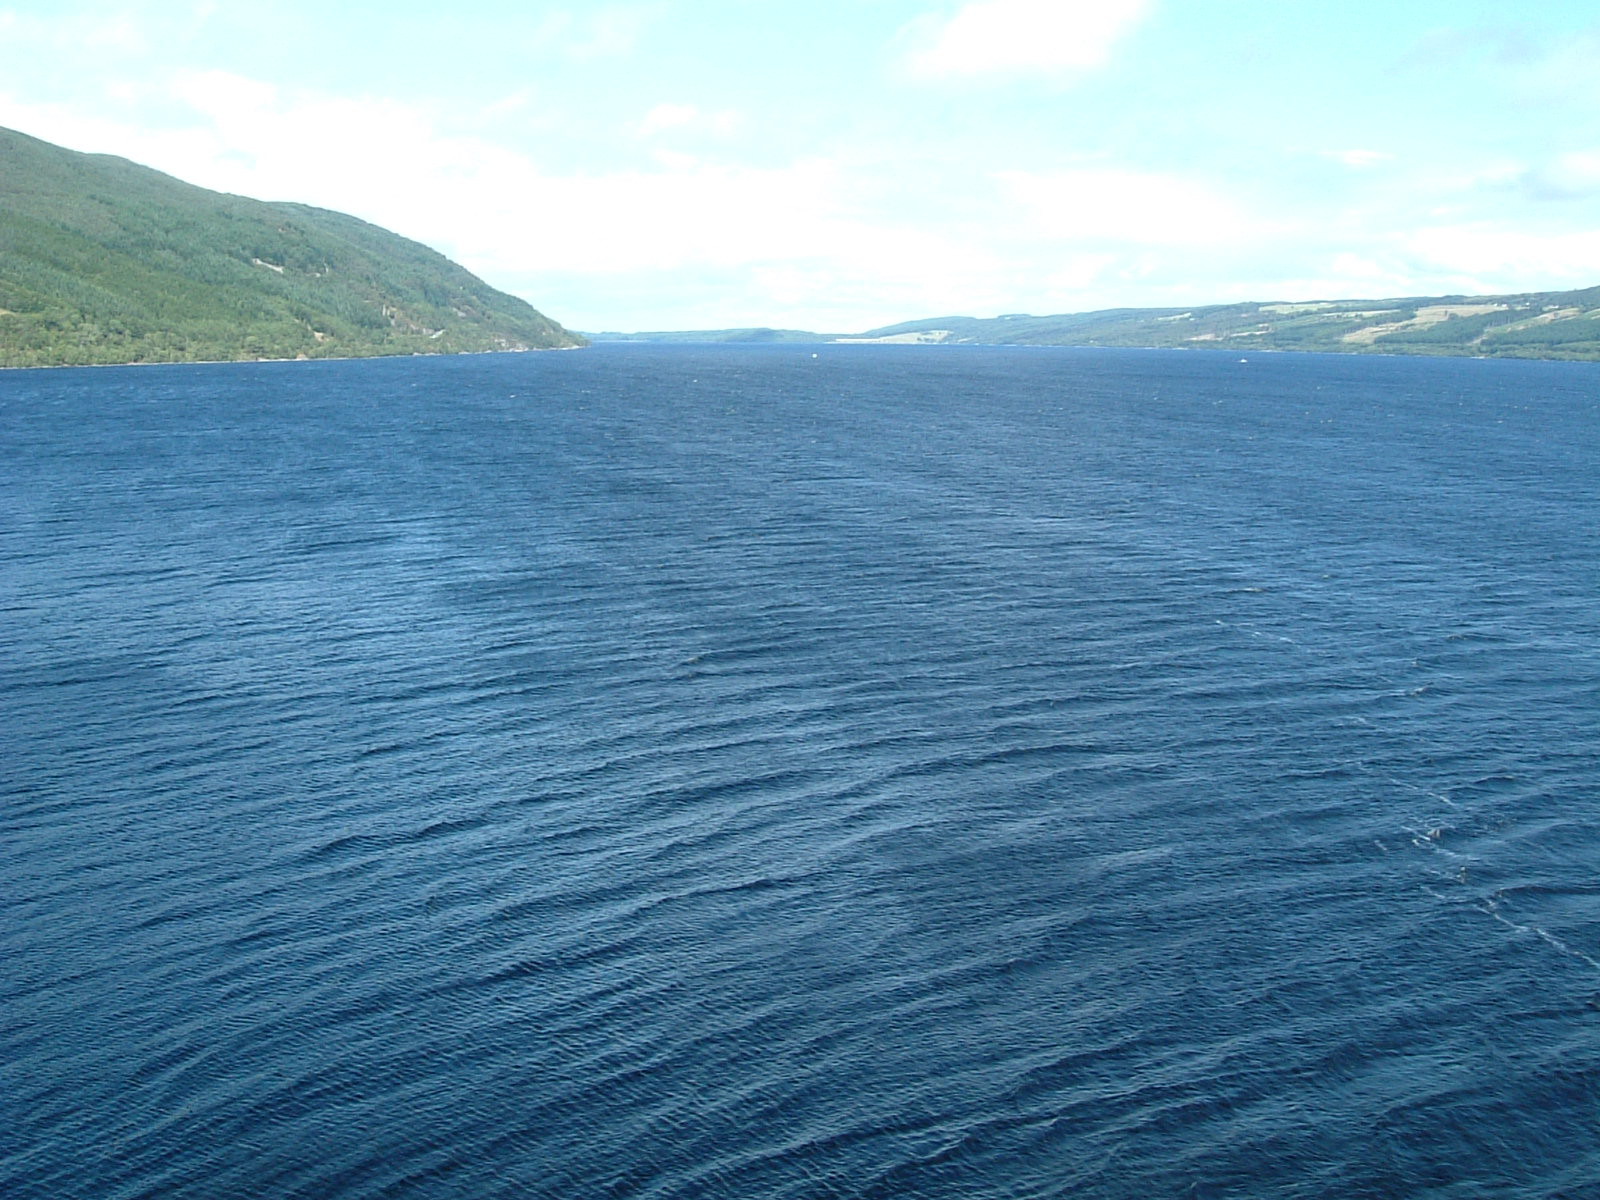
pixel 801 772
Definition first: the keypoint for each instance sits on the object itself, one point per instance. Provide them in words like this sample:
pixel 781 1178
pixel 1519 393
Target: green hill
pixel 1524 325
pixel 105 261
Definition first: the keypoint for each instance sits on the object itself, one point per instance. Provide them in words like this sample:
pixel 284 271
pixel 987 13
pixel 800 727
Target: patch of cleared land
pixel 922 337
pixel 1233 333
pixel 1552 314
pixel 1433 314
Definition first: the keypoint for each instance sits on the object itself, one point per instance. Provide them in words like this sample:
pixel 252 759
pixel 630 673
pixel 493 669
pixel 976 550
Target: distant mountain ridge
pixel 1523 325
pixel 740 335
pixel 106 261
pixel 1558 325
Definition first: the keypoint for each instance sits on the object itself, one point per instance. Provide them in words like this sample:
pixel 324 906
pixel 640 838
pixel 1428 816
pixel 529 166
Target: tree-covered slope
pixel 105 261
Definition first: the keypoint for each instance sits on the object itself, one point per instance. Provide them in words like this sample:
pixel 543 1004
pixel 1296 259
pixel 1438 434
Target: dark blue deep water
pixel 801 772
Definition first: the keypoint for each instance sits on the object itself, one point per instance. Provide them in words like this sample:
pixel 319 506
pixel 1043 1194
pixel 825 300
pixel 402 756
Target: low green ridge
pixel 106 261
pixel 1559 325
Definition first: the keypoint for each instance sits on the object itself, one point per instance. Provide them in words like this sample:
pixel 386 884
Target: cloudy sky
pixel 839 164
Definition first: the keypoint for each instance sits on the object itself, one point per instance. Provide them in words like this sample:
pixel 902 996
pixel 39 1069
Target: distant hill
pixel 105 261
pixel 760 334
pixel 1525 325
pixel 1563 325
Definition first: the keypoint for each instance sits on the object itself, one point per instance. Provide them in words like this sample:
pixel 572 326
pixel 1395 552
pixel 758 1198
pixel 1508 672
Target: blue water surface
pixel 717 772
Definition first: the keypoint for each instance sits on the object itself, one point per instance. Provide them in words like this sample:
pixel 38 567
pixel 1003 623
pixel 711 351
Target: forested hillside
pixel 105 261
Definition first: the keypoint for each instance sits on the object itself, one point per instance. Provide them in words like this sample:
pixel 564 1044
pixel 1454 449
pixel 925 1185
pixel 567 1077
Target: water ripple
pixel 709 772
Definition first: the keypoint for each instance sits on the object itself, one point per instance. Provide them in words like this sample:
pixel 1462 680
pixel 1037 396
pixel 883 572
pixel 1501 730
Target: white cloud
pixel 665 118
pixel 1080 272
pixel 1022 36
pixel 1564 72
pixel 687 215
pixel 243 111
pixel 74 32
pixel 512 103
pixel 1096 205
pixel 611 31
pixel 1569 176
pixel 1359 160
pixel 1484 257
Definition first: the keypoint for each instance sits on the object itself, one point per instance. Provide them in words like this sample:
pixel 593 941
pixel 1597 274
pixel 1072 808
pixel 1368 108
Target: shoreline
pixel 302 358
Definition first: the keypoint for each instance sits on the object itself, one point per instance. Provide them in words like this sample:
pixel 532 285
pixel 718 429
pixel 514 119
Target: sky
pixel 843 164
